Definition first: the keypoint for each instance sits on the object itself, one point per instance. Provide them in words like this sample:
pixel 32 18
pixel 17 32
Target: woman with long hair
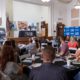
pixel 9 65
pixel 7 55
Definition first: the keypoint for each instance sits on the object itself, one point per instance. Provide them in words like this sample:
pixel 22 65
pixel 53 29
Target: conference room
pixel 40 40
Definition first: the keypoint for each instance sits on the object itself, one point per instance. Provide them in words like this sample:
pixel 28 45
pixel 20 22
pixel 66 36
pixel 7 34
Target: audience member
pixel 33 40
pixel 48 70
pixel 16 50
pixel 9 66
pixel 43 42
pixel 37 43
pixel 54 42
pixel 8 42
pixel 31 47
pixel 77 53
pixel 15 47
pixel 72 43
pixel 67 39
pixel 63 50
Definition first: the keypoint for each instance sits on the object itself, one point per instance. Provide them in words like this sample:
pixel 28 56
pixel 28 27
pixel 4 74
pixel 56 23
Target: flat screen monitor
pixel 72 31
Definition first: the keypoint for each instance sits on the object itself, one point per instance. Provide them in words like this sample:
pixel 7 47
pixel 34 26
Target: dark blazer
pixel 48 72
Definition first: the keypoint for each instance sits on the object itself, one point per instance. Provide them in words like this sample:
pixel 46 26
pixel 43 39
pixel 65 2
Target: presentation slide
pixel 72 31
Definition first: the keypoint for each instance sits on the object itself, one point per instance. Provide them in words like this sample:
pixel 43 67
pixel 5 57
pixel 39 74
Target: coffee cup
pixel 68 62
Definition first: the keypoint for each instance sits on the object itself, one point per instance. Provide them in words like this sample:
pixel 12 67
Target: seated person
pixel 63 50
pixel 15 48
pixel 67 39
pixel 33 39
pixel 9 66
pixel 48 70
pixel 7 42
pixel 54 42
pixel 43 42
pixel 77 53
pixel 31 47
pixel 72 43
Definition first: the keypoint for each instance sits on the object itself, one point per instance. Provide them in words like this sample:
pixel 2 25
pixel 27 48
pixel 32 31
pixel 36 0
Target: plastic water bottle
pixel 33 58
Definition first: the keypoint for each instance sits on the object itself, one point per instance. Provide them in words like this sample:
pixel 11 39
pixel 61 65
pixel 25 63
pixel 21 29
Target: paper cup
pixel 68 62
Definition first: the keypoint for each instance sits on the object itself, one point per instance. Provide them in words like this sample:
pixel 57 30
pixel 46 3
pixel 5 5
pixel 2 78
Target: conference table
pixel 71 70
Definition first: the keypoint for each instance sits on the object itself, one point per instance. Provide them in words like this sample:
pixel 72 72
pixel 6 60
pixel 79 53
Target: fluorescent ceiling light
pixel 77 6
pixel 45 0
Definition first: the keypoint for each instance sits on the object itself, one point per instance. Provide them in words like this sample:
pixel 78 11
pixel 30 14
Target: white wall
pixel 9 9
pixel 59 14
pixel 69 7
pixel 3 13
pixel 36 13
pixel 31 12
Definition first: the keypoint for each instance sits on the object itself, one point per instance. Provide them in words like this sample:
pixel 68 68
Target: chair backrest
pixel 72 50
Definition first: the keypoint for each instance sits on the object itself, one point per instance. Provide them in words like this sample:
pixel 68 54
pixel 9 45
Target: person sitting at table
pixel 54 42
pixel 77 56
pixel 72 43
pixel 48 70
pixel 16 50
pixel 7 42
pixel 15 46
pixel 31 47
pixel 63 50
pixel 9 66
pixel 43 42
pixel 33 39
pixel 77 53
pixel 67 39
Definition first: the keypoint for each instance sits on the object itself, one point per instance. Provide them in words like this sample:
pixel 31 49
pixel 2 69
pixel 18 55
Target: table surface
pixel 58 61
pixel 71 70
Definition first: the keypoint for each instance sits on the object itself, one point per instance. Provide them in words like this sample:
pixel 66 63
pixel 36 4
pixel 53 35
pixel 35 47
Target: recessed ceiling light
pixel 45 0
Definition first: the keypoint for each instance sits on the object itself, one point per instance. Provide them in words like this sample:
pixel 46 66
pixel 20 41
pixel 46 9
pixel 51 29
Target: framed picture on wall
pixel 74 13
pixel 22 25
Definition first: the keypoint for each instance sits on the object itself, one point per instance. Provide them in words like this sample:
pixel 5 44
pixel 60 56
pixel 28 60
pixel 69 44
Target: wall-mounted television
pixel 72 31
